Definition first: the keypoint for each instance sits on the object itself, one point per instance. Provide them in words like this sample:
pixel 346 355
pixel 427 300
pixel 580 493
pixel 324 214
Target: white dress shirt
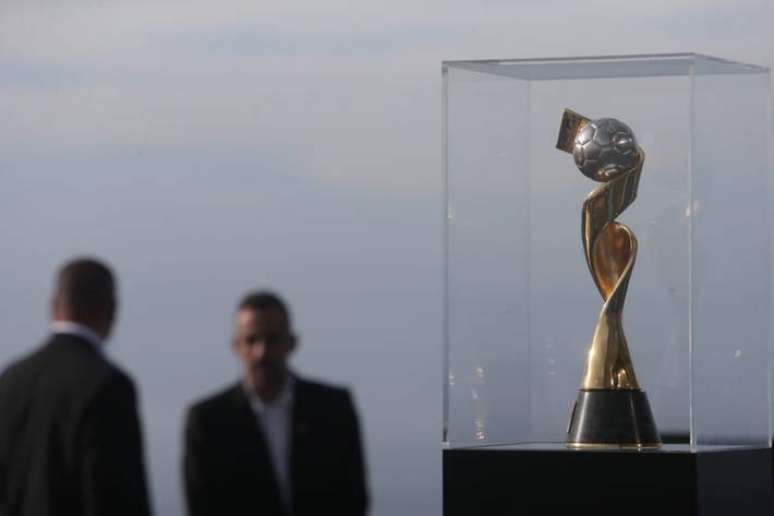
pixel 275 419
pixel 79 330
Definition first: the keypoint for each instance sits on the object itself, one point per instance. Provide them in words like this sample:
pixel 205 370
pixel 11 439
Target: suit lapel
pixel 255 441
pixel 301 431
pixel 247 419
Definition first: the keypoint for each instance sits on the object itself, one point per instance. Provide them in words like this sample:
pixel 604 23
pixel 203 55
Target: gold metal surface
pixel 610 249
pixel 572 122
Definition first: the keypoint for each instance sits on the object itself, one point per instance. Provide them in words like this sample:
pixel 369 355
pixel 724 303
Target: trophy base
pixel 608 418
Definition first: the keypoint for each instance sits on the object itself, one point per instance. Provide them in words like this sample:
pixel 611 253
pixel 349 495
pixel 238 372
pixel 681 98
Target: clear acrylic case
pixel 519 302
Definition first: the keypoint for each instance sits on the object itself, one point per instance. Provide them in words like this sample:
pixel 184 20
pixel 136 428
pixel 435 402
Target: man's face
pixel 263 342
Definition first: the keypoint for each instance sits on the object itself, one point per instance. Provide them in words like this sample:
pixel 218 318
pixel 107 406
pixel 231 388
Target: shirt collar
pixel 78 330
pixel 284 399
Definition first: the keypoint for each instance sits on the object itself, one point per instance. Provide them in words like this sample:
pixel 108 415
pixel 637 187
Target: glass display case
pixel 519 303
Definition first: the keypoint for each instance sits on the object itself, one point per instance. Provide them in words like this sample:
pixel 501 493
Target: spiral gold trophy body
pixel 611 409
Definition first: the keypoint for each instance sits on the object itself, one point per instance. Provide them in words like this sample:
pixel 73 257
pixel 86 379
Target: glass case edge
pixel 692 441
pixel 445 251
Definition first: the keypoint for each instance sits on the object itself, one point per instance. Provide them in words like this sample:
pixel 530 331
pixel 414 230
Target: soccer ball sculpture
pixel 604 149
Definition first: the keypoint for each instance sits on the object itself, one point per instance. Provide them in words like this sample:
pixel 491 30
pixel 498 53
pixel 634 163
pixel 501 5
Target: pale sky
pixel 208 148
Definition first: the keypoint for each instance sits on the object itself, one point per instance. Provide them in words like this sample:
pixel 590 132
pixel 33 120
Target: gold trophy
pixel 611 410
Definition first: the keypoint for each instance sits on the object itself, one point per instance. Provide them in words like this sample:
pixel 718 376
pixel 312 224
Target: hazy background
pixel 205 148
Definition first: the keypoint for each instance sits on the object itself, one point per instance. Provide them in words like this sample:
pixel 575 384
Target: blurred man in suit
pixel 273 443
pixel 70 440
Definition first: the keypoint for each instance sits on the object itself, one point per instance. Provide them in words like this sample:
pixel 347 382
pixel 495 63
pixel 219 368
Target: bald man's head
pixel 85 294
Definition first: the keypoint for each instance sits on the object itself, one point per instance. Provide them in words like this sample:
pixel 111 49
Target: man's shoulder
pixel 21 364
pixel 215 403
pixel 55 357
pixel 321 390
pixel 63 370
pixel 116 378
pixel 326 405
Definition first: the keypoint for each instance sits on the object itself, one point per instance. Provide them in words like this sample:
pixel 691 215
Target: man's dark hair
pixel 264 300
pixel 86 287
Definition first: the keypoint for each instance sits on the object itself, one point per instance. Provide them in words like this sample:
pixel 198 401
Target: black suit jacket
pixel 228 469
pixel 70 440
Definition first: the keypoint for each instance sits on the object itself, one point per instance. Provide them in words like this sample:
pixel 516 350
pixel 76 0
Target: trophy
pixel 611 410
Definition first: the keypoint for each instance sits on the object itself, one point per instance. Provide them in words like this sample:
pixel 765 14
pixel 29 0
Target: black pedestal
pixel 549 479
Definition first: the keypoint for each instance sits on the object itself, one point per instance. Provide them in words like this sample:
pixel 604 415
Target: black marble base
pixel 606 417
pixel 550 479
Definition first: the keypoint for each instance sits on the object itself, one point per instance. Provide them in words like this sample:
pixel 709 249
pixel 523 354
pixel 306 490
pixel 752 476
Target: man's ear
pixel 293 342
pixel 55 307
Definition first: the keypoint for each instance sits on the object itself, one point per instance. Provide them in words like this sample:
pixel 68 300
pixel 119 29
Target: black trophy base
pixel 538 480
pixel 612 418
